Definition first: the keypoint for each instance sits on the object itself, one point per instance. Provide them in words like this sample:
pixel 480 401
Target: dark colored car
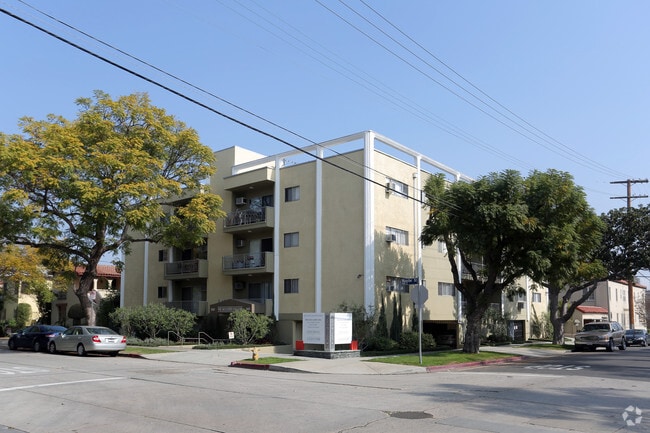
pixel 636 336
pixel 34 337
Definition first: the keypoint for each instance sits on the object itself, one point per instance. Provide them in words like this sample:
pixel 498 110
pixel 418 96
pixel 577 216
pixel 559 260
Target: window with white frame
pixel 446 289
pixel 291 285
pixel 537 297
pixel 291 239
pixel 162 292
pixel 401 237
pixel 442 247
pixel 292 193
pixel 395 187
pixel 162 255
pixel 592 296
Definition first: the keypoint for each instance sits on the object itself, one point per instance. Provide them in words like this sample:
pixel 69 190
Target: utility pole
pixel 630 282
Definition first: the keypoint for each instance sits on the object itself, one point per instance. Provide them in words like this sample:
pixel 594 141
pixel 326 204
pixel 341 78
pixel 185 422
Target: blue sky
pixel 479 86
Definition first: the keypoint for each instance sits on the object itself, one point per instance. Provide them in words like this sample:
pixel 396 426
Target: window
pixel 162 255
pixel 401 236
pixel 395 187
pixel 591 297
pixel 162 292
pixel 537 297
pixel 446 289
pixel 292 193
pixel 291 285
pixel 291 239
pixel 442 247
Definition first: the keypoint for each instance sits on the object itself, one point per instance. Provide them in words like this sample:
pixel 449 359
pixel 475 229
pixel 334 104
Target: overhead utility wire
pixel 596 163
pixel 200 89
pixel 382 90
pixel 576 159
pixel 194 101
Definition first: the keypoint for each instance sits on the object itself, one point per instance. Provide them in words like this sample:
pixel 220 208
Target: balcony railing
pixel 197 268
pixel 249 219
pixel 248 263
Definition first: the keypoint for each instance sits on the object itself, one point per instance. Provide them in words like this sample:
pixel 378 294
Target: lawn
pixel 441 358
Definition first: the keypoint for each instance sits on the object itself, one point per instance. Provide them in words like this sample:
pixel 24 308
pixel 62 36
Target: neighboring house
pixel 609 301
pixel 12 295
pixel 108 279
pixel 302 235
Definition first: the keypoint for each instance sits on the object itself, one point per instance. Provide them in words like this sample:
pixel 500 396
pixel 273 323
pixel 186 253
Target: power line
pixel 194 101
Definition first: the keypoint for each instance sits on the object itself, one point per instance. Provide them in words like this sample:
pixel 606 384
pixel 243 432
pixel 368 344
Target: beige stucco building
pixel 610 301
pixel 308 230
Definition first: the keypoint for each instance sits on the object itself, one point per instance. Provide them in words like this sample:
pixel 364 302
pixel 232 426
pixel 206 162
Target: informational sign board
pixel 313 328
pixel 328 329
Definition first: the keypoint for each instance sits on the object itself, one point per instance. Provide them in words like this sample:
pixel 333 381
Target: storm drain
pixel 409 415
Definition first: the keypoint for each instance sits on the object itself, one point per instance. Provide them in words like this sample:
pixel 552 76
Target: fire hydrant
pixel 256 353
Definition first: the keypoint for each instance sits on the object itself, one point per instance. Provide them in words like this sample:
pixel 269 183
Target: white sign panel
pixel 313 328
pixel 342 327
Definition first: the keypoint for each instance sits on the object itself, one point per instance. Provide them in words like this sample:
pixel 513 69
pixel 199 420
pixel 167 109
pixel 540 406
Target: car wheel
pixel 623 345
pixel 51 347
pixel 36 346
pixel 610 346
pixel 81 350
pixel 644 343
pixel 12 345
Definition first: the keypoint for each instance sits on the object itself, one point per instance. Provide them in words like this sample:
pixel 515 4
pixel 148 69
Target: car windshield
pixel 596 327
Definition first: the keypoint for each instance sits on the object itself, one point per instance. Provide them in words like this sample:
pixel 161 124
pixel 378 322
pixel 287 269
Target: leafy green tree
pixel 570 234
pixel 249 327
pixel 99 183
pixel 502 227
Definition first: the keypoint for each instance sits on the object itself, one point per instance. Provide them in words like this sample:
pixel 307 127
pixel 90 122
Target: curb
pixel 250 365
pixel 432 369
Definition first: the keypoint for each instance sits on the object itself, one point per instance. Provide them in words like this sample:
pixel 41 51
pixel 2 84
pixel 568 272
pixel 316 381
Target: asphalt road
pixel 40 392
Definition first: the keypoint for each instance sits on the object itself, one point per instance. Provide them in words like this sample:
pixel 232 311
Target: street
pixel 578 392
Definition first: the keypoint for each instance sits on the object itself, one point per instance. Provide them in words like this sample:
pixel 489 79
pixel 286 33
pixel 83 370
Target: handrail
pixel 209 338
pixel 180 337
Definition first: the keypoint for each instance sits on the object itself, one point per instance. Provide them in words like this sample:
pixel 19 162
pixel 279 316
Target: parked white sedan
pixel 85 339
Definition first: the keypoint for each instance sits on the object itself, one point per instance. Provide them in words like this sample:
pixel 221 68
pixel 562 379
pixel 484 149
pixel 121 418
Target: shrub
pixel 410 341
pixel 23 315
pixel 249 327
pixel 152 321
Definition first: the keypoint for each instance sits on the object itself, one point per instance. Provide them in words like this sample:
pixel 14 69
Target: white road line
pixel 43 385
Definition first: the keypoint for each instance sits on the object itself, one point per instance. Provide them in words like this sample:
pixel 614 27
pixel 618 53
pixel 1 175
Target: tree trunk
pixel 556 317
pixel 86 282
pixel 472 341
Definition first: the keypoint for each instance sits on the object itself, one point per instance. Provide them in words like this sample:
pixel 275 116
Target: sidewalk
pixel 356 366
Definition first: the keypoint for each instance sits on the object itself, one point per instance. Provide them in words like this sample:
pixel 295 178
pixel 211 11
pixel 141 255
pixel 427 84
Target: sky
pixel 478 86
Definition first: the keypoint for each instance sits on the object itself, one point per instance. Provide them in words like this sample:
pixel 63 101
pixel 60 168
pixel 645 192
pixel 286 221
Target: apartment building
pixel 308 230
pixel 610 301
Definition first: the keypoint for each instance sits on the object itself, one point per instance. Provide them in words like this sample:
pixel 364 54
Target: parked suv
pixel 601 334
pixel 636 336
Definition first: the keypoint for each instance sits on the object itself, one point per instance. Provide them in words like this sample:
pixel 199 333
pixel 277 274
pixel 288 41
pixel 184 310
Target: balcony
pixel 200 308
pixel 249 220
pixel 197 268
pixel 249 263
pixel 257 178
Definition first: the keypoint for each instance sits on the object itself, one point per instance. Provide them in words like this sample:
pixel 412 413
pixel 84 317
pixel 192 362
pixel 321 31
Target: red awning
pixel 592 310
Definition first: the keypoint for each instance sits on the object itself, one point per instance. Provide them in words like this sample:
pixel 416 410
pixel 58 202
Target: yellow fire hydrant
pixel 256 353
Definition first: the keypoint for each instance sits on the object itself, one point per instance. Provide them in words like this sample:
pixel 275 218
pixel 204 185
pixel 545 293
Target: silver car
pixel 85 339
pixel 601 334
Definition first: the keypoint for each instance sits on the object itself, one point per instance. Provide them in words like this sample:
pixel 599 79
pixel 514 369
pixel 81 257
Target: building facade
pixel 309 230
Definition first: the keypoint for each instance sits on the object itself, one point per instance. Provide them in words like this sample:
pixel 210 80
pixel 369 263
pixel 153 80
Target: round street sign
pixel 419 295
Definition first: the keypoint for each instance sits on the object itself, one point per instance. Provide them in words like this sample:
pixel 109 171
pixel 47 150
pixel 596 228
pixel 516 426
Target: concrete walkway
pixel 237 358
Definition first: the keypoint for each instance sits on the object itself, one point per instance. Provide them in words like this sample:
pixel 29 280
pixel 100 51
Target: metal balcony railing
pixel 244 261
pixel 244 217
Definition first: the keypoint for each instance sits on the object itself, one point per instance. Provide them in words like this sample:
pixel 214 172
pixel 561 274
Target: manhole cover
pixel 410 415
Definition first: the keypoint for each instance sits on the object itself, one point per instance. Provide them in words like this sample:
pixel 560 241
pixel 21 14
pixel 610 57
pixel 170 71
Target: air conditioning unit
pixel 240 243
pixel 240 285
pixel 391 237
pixel 240 201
